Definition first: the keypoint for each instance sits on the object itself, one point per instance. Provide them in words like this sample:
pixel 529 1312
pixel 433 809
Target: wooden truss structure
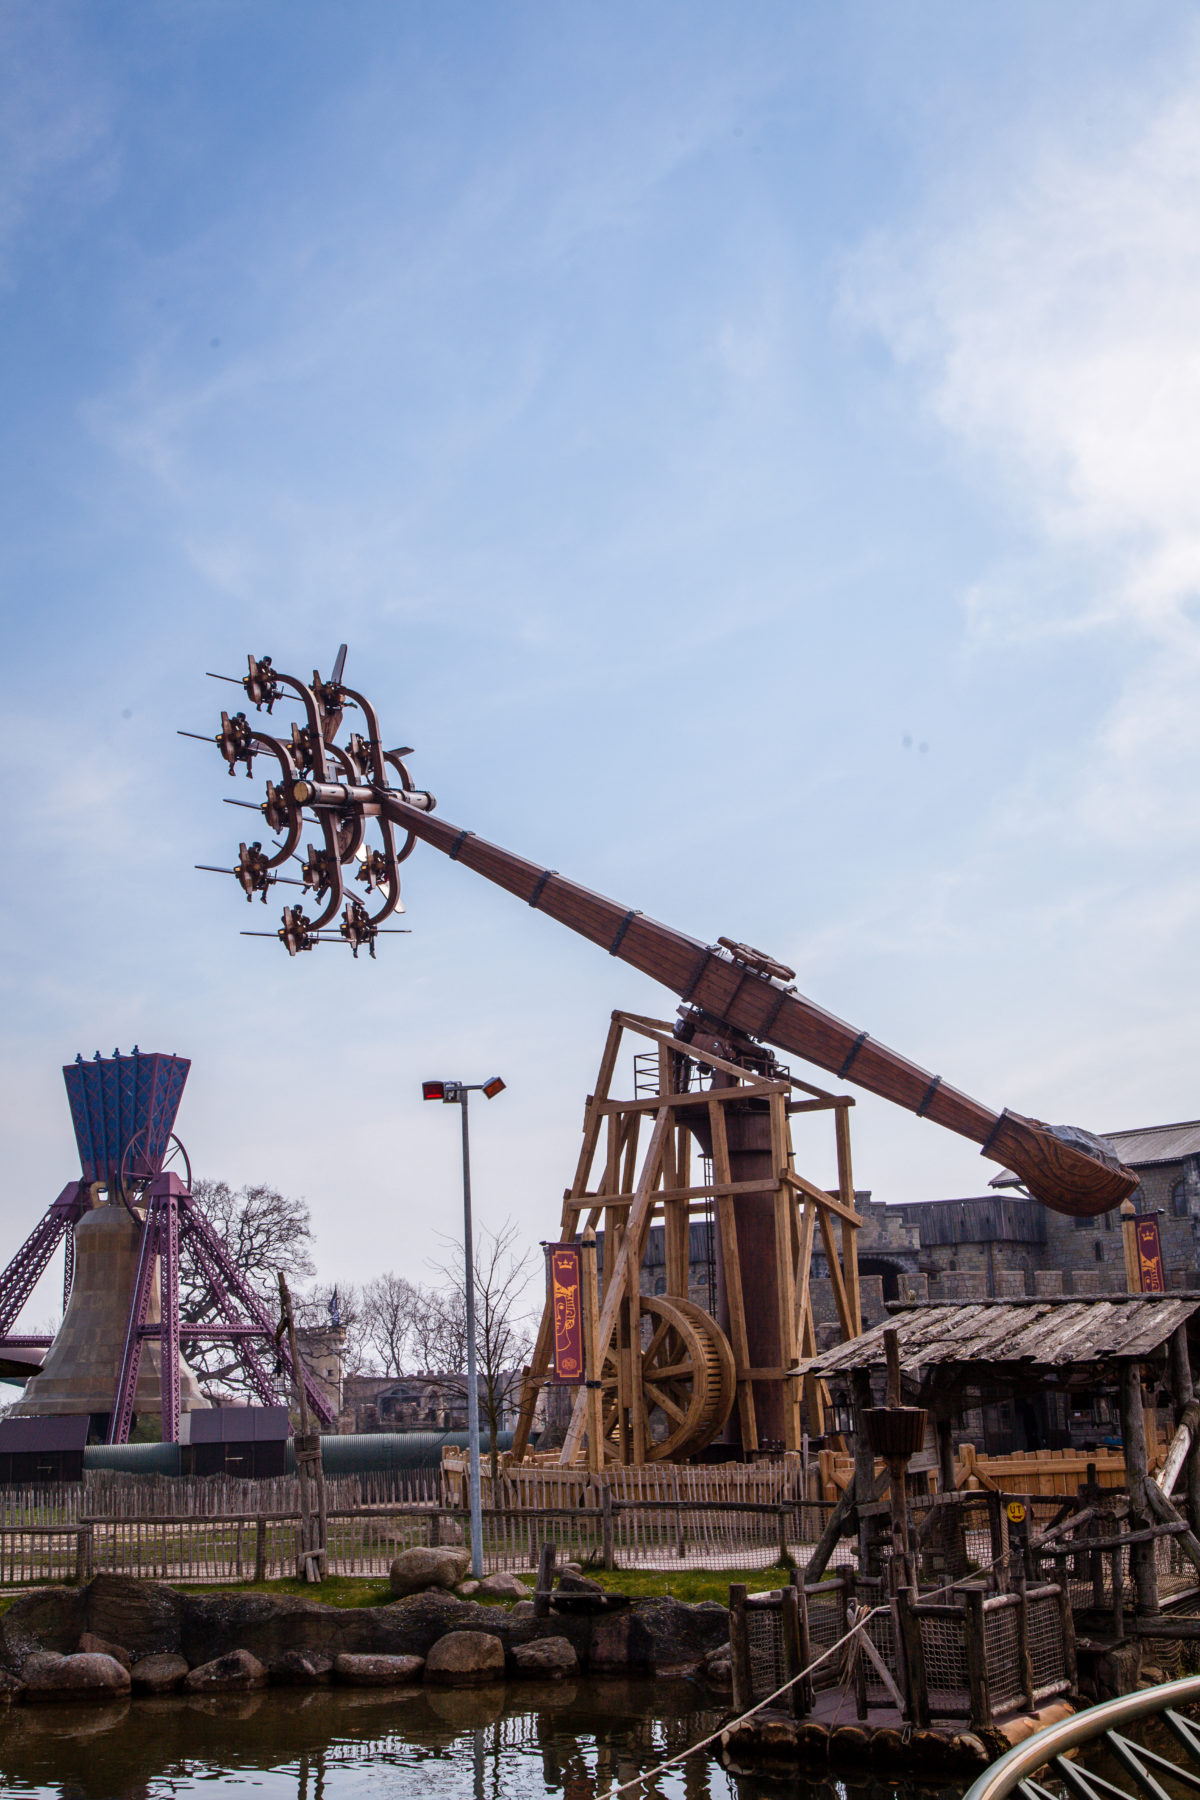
pixel 664 1376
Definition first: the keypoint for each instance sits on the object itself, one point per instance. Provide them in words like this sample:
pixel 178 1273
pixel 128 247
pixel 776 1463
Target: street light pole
pixel 472 1376
pixel 455 1093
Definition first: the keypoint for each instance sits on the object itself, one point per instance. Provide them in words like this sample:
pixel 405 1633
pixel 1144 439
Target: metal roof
pixel 1048 1334
pixel 1156 1143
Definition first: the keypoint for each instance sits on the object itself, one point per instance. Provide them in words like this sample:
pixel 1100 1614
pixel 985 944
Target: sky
pixel 750 453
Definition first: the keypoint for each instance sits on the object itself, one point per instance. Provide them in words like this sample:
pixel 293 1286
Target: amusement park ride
pixel 121 1275
pixel 671 1376
pixel 666 1377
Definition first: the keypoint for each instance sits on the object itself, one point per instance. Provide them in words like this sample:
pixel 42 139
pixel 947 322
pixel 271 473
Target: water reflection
pixel 476 1744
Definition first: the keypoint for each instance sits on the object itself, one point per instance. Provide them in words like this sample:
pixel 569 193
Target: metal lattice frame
pixel 32 1259
pixel 171 1218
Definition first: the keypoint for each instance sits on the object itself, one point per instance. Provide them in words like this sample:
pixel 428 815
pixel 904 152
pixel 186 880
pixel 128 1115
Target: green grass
pixel 691 1585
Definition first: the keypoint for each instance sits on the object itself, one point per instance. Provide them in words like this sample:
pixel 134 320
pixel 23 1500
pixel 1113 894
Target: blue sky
pixel 750 453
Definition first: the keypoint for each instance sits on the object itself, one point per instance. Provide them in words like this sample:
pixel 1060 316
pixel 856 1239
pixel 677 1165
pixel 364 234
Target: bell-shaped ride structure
pixel 125 1220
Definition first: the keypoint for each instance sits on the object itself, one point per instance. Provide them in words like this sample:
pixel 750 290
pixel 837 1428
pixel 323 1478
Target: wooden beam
pixel 849 1231
pixel 750 1090
pixel 835 1274
pixel 733 1277
pixel 823 1198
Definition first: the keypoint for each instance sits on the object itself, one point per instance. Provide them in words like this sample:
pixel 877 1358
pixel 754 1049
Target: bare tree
pixel 263 1232
pixel 503 1322
pixel 391 1306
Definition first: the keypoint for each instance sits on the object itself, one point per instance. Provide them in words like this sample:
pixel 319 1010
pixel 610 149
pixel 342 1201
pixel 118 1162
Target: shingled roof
pixel 1039 1335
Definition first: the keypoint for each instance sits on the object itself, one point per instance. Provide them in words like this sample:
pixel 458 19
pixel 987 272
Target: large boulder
pixel 465 1659
pixel 158 1674
pixel 143 1616
pixel 235 1673
pixel 414 1570
pixel 271 1625
pixel 11 1688
pixel 681 1636
pixel 46 1619
pixel 378 1671
pixel 546 1659
pixel 87 1677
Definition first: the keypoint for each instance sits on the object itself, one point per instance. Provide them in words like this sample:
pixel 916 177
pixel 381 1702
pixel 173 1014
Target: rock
pixel 571 1568
pixel 572 1582
pixel 620 1644
pixel 378 1671
pixel 78 1677
pixel 302 1668
pixel 682 1635
pixel 524 1609
pixel 465 1659
pixel 158 1674
pixel 467 1588
pixel 416 1569
pixel 503 1587
pixel 717 1667
pixel 144 1616
pixel 47 1619
pixel 271 1625
pixel 235 1673
pixel 89 1644
pixel 11 1688
pixel 550 1659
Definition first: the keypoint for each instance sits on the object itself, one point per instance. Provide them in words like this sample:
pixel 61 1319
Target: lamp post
pixel 454 1093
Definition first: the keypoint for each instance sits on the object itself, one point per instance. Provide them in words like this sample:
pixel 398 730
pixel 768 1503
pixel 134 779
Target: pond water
pixel 574 1740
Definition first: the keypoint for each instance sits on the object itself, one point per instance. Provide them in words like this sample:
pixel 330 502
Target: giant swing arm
pixel 344 785
pixel 664 1375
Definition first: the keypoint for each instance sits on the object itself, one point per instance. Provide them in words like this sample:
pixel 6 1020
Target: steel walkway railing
pixel 1147 1770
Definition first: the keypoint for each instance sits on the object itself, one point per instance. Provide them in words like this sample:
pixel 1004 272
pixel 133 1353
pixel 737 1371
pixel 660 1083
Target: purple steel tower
pixel 123 1110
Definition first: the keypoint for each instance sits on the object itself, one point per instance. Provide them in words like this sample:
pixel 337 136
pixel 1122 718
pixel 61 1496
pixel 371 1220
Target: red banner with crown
pixel 1151 1274
pixel 566 1292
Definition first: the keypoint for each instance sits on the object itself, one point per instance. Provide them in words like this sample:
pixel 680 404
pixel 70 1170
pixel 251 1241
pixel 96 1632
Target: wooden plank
pixel 831 1202
pixel 733 1279
pixel 849 1231
pixel 835 1274
pixel 785 1273
pixel 692 1192
pixel 750 1090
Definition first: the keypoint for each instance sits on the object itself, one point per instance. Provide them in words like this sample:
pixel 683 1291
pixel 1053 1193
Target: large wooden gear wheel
pixel 688 1380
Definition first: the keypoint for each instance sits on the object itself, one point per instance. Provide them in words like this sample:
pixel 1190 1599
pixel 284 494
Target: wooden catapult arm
pixel 1061 1174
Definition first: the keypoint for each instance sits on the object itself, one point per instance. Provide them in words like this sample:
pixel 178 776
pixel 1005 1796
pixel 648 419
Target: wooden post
pixel 793 1659
pixel 739 1649
pixel 996 1537
pixel 311 1561
pixel 1024 1659
pixel 1184 1390
pixel 1133 1438
pixel 977 1681
pixel 909 1626
pixel 608 1554
pixel 1067 1625
pixel 1133 1280
pixel 593 1351
pixel 805 1688
pixel 85 1554
pixel 260 1549
pixel 841 1119
pixel 545 1581
pixel 945 1453
pixel 733 1276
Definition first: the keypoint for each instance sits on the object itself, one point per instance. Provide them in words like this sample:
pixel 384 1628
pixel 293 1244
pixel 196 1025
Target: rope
pixel 860 1624
pixel 649 1774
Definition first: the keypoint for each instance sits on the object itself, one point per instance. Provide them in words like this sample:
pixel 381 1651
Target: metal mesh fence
pixel 1046 1650
pixel 1002 1658
pixel 944 1646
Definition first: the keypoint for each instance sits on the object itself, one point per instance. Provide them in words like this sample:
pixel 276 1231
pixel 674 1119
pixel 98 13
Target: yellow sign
pixel 1016 1512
